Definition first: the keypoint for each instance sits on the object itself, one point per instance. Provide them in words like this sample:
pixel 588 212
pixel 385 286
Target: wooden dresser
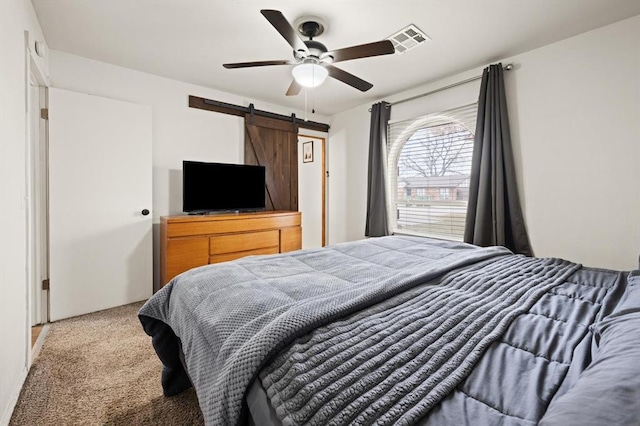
pixel 189 241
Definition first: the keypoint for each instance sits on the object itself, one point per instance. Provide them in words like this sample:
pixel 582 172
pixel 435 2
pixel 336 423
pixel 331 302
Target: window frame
pixel 395 146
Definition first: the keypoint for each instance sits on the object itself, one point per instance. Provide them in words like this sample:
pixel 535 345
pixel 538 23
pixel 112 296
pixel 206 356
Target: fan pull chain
pixel 306 117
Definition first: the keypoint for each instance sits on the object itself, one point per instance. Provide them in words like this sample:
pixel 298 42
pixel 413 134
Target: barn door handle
pixel 145 212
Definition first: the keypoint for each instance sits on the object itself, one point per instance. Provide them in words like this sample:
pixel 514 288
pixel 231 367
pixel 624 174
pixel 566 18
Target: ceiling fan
pixel 313 62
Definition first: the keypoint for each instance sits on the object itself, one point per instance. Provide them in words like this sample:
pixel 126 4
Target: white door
pixel 99 185
pixel 311 176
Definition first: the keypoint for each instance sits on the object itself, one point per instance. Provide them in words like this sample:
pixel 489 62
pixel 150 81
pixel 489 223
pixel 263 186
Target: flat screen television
pixel 219 187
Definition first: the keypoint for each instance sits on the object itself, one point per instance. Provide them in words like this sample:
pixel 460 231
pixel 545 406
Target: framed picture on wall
pixel 307 152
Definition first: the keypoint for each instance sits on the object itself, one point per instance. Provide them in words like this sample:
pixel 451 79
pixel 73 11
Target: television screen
pixel 215 187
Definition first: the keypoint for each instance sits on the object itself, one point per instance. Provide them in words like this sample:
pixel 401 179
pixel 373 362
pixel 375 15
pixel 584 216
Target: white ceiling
pixel 189 40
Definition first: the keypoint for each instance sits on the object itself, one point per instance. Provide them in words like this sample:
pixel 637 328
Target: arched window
pixel 429 165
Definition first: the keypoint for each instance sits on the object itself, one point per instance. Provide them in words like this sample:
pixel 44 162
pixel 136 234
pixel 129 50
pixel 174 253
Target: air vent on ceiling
pixel 408 38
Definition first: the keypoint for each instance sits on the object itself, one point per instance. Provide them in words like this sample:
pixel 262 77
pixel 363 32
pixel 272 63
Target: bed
pixel 401 330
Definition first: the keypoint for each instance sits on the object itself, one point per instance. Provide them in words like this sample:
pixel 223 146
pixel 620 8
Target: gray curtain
pixel 494 215
pixel 377 223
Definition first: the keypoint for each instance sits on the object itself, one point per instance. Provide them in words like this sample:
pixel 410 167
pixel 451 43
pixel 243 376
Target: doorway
pixel 312 190
pixel 35 203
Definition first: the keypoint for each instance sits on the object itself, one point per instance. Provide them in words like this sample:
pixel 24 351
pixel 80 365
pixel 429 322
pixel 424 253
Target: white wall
pixel 16 16
pixel 576 111
pixel 310 177
pixel 348 156
pixel 575 125
pixel 179 132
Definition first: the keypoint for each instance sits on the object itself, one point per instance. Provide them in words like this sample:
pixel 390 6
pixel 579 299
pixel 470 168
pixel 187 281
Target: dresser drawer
pixel 231 243
pixel 225 257
pixel 290 239
pixel 186 253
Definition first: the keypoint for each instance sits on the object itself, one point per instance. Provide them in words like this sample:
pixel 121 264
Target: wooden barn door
pixel 274 144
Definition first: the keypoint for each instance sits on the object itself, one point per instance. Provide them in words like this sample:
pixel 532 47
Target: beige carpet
pixel 100 369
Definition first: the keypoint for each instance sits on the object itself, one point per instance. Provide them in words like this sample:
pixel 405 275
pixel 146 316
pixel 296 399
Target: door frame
pixel 36 194
pixel 325 176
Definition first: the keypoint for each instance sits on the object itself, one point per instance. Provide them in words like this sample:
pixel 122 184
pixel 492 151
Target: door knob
pixel 145 212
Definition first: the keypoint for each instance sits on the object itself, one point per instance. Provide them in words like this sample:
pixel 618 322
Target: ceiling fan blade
pixel 280 23
pixel 348 78
pixel 258 64
pixel 384 47
pixel 294 89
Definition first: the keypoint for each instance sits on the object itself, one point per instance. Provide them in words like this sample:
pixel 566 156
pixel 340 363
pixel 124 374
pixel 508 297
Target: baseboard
pixel 6 416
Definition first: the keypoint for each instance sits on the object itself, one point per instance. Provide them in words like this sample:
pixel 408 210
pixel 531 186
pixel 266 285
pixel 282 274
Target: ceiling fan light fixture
pixel 313 61
pixel 309 74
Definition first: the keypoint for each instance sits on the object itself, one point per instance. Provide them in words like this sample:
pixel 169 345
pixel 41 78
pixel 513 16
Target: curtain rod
pixel 507 67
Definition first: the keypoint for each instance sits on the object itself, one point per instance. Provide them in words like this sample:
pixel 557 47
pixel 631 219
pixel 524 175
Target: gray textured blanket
pixel 391 364
pixel 234 317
